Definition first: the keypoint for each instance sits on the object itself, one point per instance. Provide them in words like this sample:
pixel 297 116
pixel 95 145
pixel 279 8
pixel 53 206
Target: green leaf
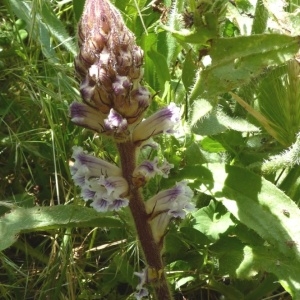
pixel 162 70
pixel 212 221
pixel 21 220
pixel 78 8
pixel 261 206
pixel 188 71
pixel 211 145
pixel 200 108
pixel 218 122
pixel 57 29
pixel 235 61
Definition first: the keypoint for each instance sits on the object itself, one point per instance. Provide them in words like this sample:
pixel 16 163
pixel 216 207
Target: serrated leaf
pixel 57 29
pixel 200 108
pixel 188 71
pixel 218 122
pixel 235 61
pixel 22 220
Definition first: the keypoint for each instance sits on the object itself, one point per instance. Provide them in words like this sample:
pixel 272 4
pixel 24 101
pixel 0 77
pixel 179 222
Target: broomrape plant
pixel 110 68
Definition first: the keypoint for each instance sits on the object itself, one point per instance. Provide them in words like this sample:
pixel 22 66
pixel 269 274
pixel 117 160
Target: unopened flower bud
pixel 109 63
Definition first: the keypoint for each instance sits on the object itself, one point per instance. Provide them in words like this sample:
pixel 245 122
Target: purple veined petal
pixel 79 175
pixel 93 166
pixel 159 225
pixel 115 186
pixel 101 204
pixel 118 203
pixel 171 199
pixel 189 207
pixel 143 292
pixel 87 194
pixel 115 122
pixel 142 96
pixel 161 121
pixel 147 169
pixel 86 116
pixel 121 85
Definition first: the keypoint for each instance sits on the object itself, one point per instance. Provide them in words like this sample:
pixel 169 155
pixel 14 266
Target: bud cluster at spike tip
pixel 109 65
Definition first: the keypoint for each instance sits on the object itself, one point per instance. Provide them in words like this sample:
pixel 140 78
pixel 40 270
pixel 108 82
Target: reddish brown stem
pixel 151 249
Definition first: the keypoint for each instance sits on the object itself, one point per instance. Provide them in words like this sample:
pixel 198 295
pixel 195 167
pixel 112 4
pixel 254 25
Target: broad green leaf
pixel 211 221
pixel 261 206
pixel 198 36
pixel 22 220
pixel 235 61
pixel 195 236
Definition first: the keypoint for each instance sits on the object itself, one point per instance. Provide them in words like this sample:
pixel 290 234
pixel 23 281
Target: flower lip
pixel 92 165
pixel 161 121
pixel 115 122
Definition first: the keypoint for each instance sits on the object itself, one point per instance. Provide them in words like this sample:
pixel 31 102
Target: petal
pixel 100 204
pixel 115 122
pixel 92 166
pixel 119 203
pixel 86 116
pixel 142 277
pixel 161 121
pixel 147 169
pixel 175 198
pixel 141 293
pixel 114 185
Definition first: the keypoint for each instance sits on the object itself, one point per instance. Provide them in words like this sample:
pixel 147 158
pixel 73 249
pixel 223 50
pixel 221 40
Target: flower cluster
pixel 109 65
pixel 100 181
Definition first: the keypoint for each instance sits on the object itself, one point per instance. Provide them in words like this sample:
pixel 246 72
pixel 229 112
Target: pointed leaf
pixel 45 218
pixel 236 60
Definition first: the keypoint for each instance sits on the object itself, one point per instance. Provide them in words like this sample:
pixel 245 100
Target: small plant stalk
pixel 151 249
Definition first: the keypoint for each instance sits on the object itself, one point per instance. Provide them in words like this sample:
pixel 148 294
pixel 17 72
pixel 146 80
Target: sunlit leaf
pixel 21 220
pixel 236 60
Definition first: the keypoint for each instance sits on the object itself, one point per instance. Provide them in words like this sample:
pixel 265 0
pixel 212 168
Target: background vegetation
pixel 233 68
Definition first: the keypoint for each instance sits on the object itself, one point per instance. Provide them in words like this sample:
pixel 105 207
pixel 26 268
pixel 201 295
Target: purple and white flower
pixel 86 116
pixel 141 290
pixel 162 121
pixel 115 122
pixel 100 181
pixel 168 204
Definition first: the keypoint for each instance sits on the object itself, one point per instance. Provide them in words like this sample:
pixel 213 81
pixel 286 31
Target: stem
pixel 150 248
